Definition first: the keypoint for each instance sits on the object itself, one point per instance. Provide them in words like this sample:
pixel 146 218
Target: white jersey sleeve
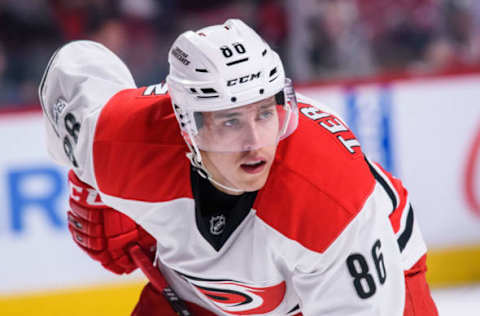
pixel 360 273
pixel 78 81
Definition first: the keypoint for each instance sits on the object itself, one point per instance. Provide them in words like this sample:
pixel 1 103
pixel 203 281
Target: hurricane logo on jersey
pixel 239 298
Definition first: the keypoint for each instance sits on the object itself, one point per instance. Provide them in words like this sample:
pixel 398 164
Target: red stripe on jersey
pixel 396 215
pixel 315 188
pixel 138 152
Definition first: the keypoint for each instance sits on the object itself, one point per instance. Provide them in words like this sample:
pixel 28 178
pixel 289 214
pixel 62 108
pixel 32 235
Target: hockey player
pixel 276 211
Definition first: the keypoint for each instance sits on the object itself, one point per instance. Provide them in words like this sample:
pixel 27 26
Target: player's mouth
pixel 254 166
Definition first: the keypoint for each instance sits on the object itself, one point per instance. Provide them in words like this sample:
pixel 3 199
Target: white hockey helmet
pixel 229 70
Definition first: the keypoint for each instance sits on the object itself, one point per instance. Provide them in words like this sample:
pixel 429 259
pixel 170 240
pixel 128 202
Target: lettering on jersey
pixel 240 298
pixel 334 126
pixel 181 55
pixel 217 224
pixel 156 89
pixel 243 79
pixel 72 126
pixel 363 280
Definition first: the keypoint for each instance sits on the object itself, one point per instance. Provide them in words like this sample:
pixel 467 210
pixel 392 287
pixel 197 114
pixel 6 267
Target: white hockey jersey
pixel 330 233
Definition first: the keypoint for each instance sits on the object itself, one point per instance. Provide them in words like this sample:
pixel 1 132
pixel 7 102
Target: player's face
pixel 253 128
pixel 245 128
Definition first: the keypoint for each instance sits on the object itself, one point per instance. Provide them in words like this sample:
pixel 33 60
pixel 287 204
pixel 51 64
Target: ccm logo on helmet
pixel 243 79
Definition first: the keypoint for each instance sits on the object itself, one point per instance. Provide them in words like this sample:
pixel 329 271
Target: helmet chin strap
pixel 196 160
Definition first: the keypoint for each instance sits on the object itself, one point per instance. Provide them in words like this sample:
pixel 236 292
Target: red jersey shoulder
pixel 136 140
pixel 331 127
pixel 318 183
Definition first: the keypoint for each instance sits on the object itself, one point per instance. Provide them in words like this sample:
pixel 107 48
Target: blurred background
pixel 404 74
pixel 318 39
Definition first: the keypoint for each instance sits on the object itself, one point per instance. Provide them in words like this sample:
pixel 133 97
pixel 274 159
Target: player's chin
pixel 251 186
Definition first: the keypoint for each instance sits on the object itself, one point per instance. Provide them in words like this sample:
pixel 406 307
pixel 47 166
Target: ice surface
pixel 458 301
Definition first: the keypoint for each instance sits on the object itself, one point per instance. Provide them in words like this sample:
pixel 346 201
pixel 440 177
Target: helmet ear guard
pixel 198 117
pixel 280 98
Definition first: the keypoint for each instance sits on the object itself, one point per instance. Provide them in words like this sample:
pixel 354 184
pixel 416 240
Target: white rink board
pixel 429 126
pixel 37 254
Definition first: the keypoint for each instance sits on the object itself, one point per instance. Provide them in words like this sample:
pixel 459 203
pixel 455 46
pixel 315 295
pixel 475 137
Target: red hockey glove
pixel 102 232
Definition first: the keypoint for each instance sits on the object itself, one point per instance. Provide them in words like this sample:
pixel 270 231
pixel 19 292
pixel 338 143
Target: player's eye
pixel 232 123
pixel 265 115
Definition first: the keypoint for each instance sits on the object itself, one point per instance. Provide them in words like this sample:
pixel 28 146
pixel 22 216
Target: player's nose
pixel 251 137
